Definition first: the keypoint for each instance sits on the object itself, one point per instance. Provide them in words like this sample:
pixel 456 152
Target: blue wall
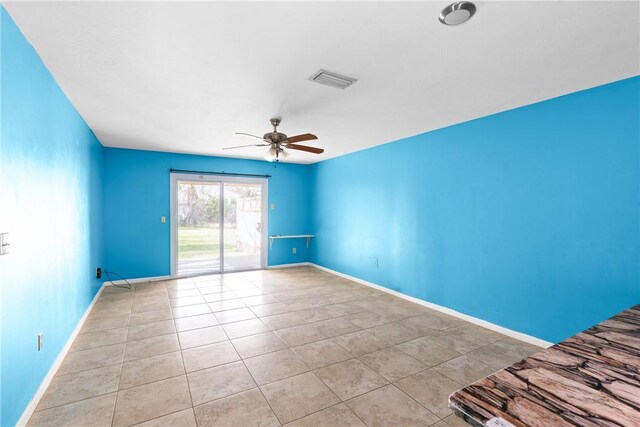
pixel 50 165
pixel 136 186
pixel 528 219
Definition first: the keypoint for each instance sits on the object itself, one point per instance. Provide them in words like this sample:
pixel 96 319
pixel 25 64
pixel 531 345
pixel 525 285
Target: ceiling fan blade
pixel 242 146
pixel 306 148
pixel 300 138
pixel 248 134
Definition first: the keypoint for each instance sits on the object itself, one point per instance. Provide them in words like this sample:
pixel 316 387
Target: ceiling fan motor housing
pixel 275 136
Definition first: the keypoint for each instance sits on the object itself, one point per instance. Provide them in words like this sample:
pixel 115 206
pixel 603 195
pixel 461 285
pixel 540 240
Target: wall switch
pixel 4 244
pixel 163 219
pixel 40 335
pixel 294 250
pixel 375 262
pixel 273 206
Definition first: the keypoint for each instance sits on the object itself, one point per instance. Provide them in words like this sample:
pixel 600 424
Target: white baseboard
pixel 295 264
pixel 139 280
pixel 488 325
pixel 31 407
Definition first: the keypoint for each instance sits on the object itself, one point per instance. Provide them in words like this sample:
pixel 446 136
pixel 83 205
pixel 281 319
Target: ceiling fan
pixel 277 142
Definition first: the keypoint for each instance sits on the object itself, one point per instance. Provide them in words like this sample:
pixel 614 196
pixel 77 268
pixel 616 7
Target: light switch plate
pixel 163 219
pixel 4 244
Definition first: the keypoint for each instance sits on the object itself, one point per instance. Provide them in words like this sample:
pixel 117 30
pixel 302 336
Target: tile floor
pixel 296 347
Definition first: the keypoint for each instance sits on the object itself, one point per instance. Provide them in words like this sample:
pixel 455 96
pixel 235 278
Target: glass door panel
pixel 243 227
pixel 198 227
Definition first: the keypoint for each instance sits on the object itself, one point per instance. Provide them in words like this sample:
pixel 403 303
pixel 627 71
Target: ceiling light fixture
pixel 271 154
pixel 457 13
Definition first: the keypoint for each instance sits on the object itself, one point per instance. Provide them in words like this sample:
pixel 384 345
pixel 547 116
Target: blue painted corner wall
pixel 137 193
pixel 50 198
pixel 528 219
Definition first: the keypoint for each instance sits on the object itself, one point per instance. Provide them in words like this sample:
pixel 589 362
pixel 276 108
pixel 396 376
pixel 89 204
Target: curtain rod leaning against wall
pixel 218 173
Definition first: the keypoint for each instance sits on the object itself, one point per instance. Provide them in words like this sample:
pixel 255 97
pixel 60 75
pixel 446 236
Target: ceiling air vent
pixel 332 79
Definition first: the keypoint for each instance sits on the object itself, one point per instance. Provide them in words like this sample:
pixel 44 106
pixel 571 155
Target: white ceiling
pixel 183 77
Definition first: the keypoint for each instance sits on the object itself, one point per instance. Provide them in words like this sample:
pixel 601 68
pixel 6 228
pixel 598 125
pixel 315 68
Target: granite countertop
pixel 590 379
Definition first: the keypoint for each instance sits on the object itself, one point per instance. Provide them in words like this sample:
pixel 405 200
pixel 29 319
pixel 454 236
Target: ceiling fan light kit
pixel 277 142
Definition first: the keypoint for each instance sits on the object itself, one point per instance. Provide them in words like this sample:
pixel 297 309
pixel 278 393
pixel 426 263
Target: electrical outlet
pixel 273 206
pixel 163 219
pixel 294 250
pixel 40 336
pixel 98 273
pixel 375 262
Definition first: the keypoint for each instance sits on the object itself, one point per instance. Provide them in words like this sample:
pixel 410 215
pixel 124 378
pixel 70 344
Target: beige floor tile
pixel 245 328
pixel 452 421
pixel 360 342
pixel 202 336
pixel 336 416
pixel 220 381
pixel 151 347
pixel 368 319
pixel 224 305
pixel 209 355
pixel 465 370
pixel 150 401
pixel 212 288
pixel 101 324
pixel 275 366
pixel 301 334
pixel 432 389
pixel 159 304
pixel 246 409
pixel 304 306
pixel 219 296
pixel 151 316
pixel 388 406
pixel 335 327
pixel 81 385
pixel 99 339
pixel 109 310
pixel 498 355
pixel 182 293
pixel 258 300
pixel 148 330
pixel 195 322
pixel 430 324
pixel 143 371
pixel 190 310
pixel 350 378
pixel 462 339
pixel 96 411
pixel 321 353
pixel 295 397
pixel 248 292
pixel 525 349
pixel 393 333
pixel 392 364
pixel 184 418
pixel 270 309
pixel 428 351
pixel 229 316
pixel 184 301
pixel 255 345
pixel 285 320
pixel 90 359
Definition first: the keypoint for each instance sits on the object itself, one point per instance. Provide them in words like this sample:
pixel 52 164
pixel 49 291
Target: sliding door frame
pixel 221 180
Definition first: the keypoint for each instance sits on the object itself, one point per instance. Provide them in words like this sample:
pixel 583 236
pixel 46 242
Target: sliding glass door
pixel 218 224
